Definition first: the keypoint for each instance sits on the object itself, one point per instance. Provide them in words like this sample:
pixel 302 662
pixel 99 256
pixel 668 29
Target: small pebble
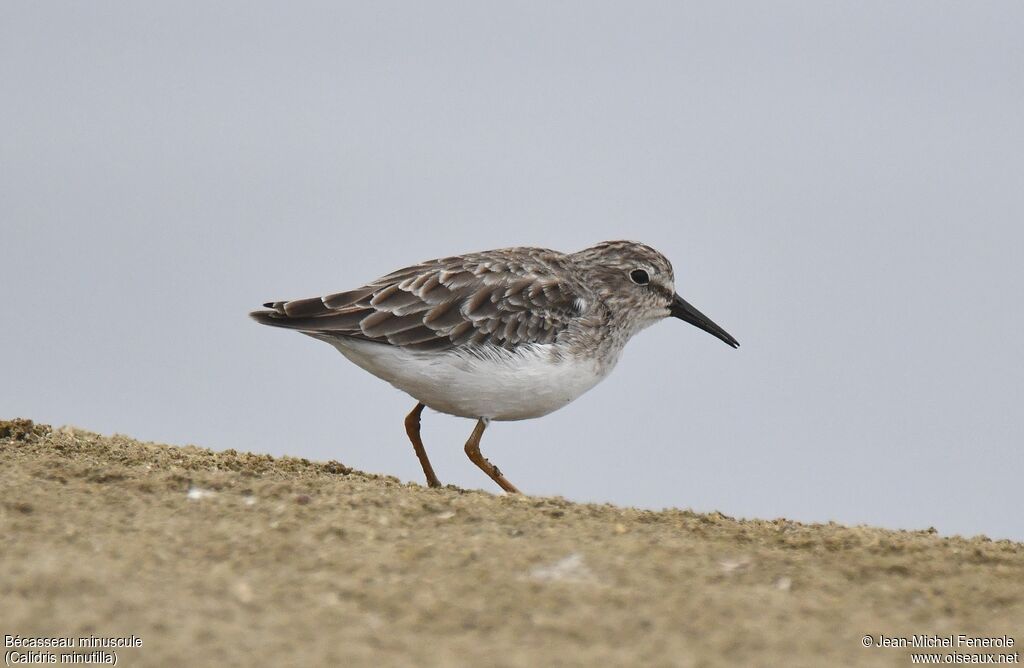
pixel 197 493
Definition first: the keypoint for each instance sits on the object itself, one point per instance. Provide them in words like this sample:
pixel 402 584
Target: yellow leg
pixel 473 450
pixel 412 428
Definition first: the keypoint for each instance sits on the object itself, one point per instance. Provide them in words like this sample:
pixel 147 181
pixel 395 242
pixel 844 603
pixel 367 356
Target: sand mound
pixel 228 558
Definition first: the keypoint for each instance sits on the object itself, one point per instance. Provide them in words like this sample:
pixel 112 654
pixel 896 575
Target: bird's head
pixel 637 284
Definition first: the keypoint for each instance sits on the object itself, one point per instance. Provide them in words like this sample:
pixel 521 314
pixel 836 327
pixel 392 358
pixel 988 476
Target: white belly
pixel 501 385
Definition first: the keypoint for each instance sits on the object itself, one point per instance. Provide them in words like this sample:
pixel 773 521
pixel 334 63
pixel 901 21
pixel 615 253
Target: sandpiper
pixel 506 334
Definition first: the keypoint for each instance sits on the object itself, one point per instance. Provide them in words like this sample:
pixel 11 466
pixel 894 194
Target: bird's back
pixel 504 298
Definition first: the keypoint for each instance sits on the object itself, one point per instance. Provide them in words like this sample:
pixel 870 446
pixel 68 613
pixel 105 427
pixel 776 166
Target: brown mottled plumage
pixel 502 298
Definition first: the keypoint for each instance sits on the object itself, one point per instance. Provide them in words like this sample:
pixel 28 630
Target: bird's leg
pixel 412 428
pixel 473 450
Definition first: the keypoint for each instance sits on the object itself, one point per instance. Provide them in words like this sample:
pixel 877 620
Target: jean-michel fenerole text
pixel 932 640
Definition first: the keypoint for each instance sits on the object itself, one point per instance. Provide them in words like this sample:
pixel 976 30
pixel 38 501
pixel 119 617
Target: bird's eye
pixel 639 276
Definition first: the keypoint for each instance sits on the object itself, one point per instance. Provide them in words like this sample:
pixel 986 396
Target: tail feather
pixel 272 318
pixel 310 315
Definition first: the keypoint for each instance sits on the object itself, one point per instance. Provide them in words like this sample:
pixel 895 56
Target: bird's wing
pixel 494 299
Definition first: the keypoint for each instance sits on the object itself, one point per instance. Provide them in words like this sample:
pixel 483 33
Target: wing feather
pixel 502 298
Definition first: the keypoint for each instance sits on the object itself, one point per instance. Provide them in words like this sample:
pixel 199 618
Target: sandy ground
pixel 235 559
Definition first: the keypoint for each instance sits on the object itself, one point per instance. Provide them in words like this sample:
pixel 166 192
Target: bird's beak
pixel 684 311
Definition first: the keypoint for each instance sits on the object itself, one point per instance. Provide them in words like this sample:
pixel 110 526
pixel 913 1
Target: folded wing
pixel 443 304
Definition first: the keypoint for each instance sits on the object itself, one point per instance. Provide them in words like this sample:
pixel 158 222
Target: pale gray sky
pixel 840 185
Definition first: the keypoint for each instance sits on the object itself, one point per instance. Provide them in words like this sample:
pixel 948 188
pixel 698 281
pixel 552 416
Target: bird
pixel 498 335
